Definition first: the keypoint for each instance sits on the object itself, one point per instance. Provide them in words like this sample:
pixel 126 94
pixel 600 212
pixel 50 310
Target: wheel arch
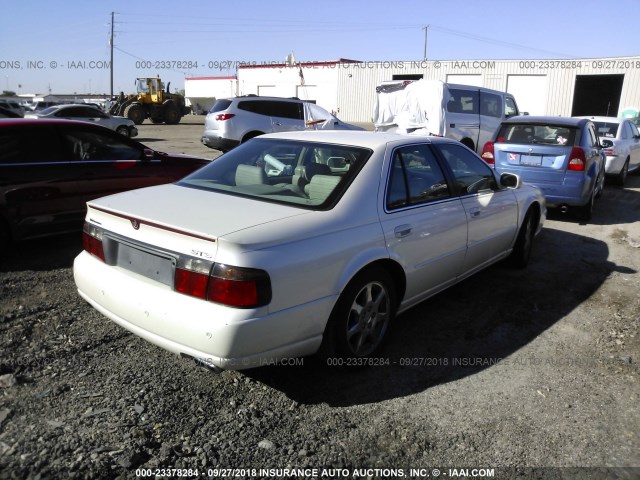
pixel 250 135
pixel 392 267
pixel 467 142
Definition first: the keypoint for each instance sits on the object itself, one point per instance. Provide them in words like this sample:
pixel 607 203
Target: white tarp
pixel 317 118
pixel 417 108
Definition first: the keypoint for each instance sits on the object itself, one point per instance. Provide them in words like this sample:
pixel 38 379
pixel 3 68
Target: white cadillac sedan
pixel 300 243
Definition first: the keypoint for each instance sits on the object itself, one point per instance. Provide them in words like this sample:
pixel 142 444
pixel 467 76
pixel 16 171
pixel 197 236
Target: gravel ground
pixel 508 370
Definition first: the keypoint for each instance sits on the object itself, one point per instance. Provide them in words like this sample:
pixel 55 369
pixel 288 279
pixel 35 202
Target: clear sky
pixel 63 46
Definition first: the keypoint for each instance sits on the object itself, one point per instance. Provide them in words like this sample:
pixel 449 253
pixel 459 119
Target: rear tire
pixel 360 320
pixel 171 114
pixel 5 240
pixel 467 142
pixel 585 212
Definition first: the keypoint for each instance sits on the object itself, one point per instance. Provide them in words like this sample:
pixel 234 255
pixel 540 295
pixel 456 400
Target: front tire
pixel 124 131
pixel 521 253
pixel 621 178
pixel 360 320
pixel 135 113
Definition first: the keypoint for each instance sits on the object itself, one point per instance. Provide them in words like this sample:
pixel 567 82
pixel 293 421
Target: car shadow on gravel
pixel 42 253
pixel 462 331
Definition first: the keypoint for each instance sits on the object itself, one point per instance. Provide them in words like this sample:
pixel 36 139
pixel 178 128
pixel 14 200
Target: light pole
pixel 425 28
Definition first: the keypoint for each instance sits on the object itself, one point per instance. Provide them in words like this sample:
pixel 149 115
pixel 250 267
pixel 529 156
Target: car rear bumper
pixel 213 334
pixel 219 143
pixel 569 193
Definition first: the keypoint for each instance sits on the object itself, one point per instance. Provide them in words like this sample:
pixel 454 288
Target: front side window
pixel 92 146
pixel 415 178
pixel 306 174
pixel 510 108
pixel 471 174
pixel 490 105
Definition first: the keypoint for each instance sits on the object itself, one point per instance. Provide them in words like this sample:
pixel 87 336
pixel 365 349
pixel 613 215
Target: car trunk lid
pixel 538 163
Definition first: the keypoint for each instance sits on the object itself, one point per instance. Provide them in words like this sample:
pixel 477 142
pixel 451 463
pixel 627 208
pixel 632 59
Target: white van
pixel 465 113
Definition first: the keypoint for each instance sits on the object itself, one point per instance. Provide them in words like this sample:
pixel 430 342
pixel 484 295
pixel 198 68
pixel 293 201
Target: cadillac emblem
pixel 135 224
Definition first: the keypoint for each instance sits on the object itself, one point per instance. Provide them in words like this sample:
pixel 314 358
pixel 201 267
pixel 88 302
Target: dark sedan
pixel 49 169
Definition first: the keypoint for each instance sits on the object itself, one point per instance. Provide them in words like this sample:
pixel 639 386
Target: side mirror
pixel 148 154
pixel 510 180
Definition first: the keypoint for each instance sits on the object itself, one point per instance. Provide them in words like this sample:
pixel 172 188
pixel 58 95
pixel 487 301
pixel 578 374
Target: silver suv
pixel 232 121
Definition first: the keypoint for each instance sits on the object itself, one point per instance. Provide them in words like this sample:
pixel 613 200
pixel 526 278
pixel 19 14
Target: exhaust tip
pixel 564 208
pixel 203 362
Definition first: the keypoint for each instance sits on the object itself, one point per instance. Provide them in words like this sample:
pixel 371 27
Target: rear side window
pixel 463 101
pixel 273 108
pixel 256 106
pixel 288 110
pixel 220 105
pixel 525 133
pixel 415 178
pixel 17 146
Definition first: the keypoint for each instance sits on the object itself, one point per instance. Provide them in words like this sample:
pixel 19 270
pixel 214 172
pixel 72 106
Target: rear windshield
pixel 607 129
pixel 48 110
pixel 526 133
pixel 220 105
pixel 306 174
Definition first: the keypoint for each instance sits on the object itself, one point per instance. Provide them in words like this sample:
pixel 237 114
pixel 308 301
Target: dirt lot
pixel 508 370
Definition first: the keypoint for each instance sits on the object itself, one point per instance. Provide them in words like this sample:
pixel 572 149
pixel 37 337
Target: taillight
pixel 224 116
pixel 92 240
pixel 192 277
pixel 487 153
pixel 577 160
pixel 224 284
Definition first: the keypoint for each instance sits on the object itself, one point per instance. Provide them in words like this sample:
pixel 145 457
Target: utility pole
pixel 111 45
pixel 425 28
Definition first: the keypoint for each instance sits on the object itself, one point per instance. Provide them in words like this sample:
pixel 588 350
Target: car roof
pixel 359 138
pixel 605 119
pixel 66 105
pixel 5 122
pixel 260 98
pixel 548 120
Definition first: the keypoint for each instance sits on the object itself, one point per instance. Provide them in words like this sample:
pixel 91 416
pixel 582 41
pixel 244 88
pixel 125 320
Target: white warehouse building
pixel 598 86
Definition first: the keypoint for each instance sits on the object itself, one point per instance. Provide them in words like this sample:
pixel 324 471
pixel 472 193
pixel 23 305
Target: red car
pixel 49 169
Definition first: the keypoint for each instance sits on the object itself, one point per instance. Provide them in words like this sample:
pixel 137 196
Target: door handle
pixel 277 123
pixel 402 231
pixel 474 212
